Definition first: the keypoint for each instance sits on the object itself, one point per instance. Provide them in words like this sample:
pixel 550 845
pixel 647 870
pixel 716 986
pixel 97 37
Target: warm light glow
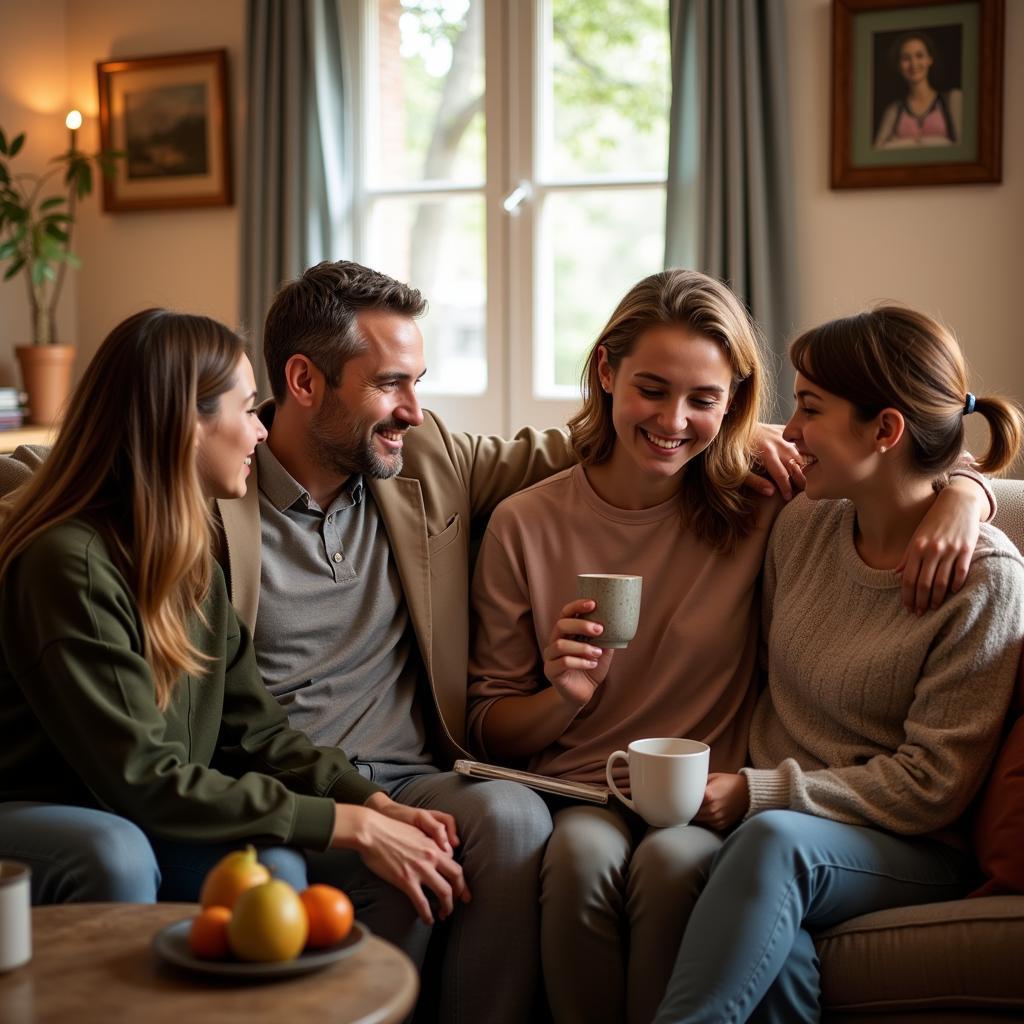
pixel 74 120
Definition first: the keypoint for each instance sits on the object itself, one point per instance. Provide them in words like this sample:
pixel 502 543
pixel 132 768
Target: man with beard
pixel 349 560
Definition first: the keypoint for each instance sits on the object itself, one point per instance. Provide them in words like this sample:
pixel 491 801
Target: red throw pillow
pixel 999 825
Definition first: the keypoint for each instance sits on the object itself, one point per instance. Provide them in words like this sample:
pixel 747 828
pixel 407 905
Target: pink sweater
pixel 688 671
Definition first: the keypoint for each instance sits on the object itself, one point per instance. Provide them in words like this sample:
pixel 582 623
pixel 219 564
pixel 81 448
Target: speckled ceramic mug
pixel 618 606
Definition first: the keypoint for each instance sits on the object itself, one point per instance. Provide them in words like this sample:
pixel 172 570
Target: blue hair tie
pixel 969 404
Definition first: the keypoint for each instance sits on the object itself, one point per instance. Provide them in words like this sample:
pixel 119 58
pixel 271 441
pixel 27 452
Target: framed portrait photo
pixel 168 116
pixel 917 92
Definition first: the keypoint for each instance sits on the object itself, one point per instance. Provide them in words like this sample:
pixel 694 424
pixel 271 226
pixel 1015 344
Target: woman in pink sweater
pixel 876 727
pixel 673 388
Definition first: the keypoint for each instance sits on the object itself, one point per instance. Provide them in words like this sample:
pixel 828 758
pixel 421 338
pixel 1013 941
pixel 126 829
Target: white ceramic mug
pixel 15 915
pixel 667 778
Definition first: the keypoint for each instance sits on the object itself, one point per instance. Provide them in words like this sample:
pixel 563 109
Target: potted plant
pixel 35 243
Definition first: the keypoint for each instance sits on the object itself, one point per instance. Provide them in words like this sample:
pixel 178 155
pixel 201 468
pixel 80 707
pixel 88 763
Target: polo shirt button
pixel 337 556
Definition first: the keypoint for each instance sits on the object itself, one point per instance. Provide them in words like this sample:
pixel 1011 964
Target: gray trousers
pixel 490 964
pixel 615 899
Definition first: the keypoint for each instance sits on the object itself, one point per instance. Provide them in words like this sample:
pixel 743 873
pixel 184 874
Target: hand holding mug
pixel 572 664
pixel 667 777
pixel 726 800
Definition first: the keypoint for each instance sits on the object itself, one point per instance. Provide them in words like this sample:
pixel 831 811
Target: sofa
pixel 960 962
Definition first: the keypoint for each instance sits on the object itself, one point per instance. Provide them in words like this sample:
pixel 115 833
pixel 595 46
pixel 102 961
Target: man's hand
pixel 403 855
pixel 726 800
pixel 779 458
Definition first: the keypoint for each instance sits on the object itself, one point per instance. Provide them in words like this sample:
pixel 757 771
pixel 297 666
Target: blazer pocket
pixel 443 549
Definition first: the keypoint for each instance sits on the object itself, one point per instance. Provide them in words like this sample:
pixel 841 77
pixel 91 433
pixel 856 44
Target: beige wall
pixel 953 251
pixel 33 99
pixel 186 259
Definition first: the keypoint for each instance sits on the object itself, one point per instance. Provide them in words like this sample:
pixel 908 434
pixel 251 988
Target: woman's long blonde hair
pixel 713 500
pixel 125 460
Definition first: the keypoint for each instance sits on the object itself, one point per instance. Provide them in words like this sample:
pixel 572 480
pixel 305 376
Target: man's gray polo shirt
pixel 333 637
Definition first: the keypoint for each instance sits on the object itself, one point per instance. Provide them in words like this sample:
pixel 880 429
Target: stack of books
pixel 11 408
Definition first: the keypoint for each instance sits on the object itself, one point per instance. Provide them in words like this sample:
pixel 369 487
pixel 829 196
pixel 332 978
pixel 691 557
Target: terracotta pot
pixel 46 376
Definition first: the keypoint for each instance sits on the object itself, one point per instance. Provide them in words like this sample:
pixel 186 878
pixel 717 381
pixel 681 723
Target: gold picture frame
pixel 169 116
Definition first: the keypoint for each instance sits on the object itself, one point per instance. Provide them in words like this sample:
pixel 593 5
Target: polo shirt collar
pixel 283 491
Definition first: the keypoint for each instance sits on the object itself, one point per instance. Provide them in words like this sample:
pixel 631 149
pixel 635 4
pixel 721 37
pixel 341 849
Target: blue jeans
pixel 747 952
pixel 81 855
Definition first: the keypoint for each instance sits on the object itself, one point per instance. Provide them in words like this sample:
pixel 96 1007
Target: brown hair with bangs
pixel 125 460
pixel 714 502
pixel 894 357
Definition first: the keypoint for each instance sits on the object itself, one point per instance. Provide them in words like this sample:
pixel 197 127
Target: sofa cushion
pixel 963 953
pixel 998 832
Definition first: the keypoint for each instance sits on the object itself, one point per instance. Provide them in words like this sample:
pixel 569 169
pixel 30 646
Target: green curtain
pixel 297 178
pixel 730 207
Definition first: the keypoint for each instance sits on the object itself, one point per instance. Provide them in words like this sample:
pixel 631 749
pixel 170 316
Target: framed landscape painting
pixel 917 92
pixel 168 115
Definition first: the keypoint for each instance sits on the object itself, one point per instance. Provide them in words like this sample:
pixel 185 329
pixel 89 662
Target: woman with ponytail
pixel 137 741
pixel 876 727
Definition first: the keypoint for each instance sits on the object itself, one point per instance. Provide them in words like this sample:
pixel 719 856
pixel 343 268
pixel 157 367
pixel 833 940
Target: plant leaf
pixel 19 141
pixel 8 249
pixel 84 181
pixel 14 268
pixel 72 261
pixel 48 204
pixel 3 142
pixel 56 232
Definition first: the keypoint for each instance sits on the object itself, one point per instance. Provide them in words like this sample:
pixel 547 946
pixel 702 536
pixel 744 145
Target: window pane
pixel 608 88
pixel 599 244
pixel 438 245
pixel 429 122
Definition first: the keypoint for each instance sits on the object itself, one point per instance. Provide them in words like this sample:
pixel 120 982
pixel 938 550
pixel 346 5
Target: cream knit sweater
pixel 873 715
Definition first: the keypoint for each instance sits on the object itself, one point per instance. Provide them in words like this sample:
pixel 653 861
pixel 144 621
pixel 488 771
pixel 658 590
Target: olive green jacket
pixel 80 722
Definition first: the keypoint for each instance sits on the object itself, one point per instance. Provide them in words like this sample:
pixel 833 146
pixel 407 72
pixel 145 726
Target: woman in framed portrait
pixel 924 116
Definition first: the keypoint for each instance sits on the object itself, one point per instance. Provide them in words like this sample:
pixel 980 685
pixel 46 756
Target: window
pixel 511 163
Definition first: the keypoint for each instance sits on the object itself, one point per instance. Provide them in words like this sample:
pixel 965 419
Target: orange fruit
pixel 268 923
pixel 208 936
pixel 231 876
pixel 330 915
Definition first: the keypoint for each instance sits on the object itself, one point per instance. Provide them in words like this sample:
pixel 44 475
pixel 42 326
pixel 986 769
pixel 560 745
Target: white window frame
pixel 519 342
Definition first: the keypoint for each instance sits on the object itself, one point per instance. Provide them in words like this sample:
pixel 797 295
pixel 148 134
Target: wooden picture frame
pixel 889 58
pixel 169 116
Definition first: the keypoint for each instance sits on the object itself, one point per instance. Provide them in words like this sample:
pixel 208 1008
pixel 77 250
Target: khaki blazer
pixel 435 513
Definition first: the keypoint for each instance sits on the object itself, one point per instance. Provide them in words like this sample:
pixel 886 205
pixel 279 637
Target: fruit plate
pixel 171 944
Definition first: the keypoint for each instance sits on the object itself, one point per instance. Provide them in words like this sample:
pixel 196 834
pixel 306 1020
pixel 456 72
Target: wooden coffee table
pixel 92 962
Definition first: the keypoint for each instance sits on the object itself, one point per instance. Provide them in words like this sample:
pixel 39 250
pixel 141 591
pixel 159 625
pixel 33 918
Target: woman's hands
pixel 407 847
pixel 939 554
pixel 574 667
pixel 726 800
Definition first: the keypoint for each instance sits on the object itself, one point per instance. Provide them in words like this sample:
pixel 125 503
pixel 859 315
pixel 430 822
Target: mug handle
pixel 611 782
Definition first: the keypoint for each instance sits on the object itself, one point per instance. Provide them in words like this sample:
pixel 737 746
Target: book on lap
pixel 543 783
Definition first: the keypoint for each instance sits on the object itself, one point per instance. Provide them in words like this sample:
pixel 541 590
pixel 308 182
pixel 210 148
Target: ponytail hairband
pixel 969 404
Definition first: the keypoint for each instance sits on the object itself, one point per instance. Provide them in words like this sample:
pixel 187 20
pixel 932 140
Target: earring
pixel 882 449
